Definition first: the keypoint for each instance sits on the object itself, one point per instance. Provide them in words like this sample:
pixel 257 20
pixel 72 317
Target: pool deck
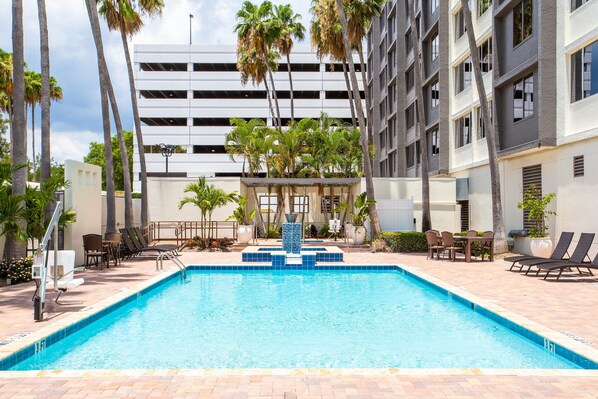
pixel 567 307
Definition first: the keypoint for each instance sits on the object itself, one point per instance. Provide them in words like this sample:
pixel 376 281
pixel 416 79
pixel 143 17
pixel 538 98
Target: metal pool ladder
pixel 182 267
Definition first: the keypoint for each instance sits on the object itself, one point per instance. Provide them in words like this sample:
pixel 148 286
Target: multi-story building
pixel 539 59
pixel 188 93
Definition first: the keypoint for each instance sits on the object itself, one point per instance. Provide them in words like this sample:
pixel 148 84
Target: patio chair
pixel 93 249
pixel 65 272
pixel 432 238
pixel 578 256
pixel 559 252
pixel 471 233
pixel 561 266
pixel 449 245
pixel 115 242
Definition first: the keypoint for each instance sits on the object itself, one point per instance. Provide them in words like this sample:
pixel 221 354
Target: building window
pixel 325 203
pixel 522 21
pixel 485 52
pixel 268 202
pixel 463 131
pixel 410 155
pixel 481 126
pixel 575 4
pixel 483 6
pixel 460 28
pixel 463 75
pixel 435 48
pixel 382 137
pixel 523 98
pixel 300 204
pixel 434 144
pixel 409 79
pixel 578 166
pixel 418 152
pixel 382 49
pixel 434 94
pixel 392 126
pixel 408 42
pixel 585 72
pixel 410 116
pixel 433 6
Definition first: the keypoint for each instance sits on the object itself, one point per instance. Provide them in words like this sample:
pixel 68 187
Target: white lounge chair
pixel 65 272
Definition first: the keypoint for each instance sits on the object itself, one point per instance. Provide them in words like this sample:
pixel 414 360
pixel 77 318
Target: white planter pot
pixel 359 235
pixel 541 247
pixel 349 230
pixel 244 233
pixel 8 281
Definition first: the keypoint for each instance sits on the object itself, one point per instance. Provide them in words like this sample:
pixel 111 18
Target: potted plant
pixel 536 204
pixel 245 228
pixel 360 215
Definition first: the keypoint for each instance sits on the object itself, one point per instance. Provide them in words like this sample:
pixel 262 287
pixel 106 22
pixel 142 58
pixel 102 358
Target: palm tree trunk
pixel 123 152
pixel 274 120
pixel 368 100
pixel 500 240
pixel 33 140
pixel 18 133
pixel 138 134
pixel 259 211
pixel 367 165
pixel 291 86
pixel 421 122
pixel 275 97
pixel 350 93
pixel 45 99
pixel 97 37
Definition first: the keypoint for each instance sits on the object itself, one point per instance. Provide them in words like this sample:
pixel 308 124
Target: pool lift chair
pixel 57 273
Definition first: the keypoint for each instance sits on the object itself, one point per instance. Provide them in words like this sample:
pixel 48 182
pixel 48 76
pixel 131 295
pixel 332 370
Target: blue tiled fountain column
pixel 291 237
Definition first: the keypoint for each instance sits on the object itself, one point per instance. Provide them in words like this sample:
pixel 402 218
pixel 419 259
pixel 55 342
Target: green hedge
pixel 410 241
pixel 17 270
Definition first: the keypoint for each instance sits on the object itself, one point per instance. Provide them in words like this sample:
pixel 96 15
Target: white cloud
pixel 71 145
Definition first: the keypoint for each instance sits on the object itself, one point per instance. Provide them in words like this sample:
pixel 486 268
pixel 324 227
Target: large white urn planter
pixel 359 235
pixel 244 234
pixel 349 230
pixel 541 247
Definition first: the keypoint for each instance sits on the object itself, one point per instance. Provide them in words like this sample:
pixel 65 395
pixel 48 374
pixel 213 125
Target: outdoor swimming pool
pixel 289 319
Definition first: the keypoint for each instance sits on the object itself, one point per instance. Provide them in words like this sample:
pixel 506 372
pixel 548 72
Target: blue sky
pixel 77 119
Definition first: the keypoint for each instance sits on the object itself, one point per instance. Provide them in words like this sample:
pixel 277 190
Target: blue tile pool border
pixel 530 335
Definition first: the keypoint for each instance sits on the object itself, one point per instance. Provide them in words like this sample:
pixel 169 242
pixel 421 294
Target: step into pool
pixel 290 319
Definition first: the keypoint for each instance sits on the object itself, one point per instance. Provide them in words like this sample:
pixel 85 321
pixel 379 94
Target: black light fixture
pixel 167 151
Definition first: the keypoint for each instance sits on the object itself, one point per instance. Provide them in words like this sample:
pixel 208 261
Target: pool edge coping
pixel 37 339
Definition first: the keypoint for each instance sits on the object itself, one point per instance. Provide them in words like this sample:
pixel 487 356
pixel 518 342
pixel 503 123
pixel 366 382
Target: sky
pixel 77 120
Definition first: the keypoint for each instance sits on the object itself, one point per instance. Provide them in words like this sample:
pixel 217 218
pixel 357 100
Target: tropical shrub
pixel 536 205
pixel 17 270
pixel 409 241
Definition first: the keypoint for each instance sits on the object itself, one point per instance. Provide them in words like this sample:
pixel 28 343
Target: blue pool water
pixel 284 319
pixel 274 249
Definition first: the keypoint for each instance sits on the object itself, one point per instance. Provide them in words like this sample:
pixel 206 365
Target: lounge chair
pixel 139 240
pixel 568 265
pixel 559 252
pixel 133 249
pixel 579 254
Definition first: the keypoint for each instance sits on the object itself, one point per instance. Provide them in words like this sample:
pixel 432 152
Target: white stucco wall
pixel 84 195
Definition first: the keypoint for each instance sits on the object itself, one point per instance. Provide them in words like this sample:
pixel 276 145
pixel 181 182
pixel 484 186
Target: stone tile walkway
pixel 568 307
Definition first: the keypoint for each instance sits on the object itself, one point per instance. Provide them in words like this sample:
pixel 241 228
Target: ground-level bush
pixel 409 241
pixel 17 270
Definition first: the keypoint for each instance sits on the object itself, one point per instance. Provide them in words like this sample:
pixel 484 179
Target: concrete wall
pixel 120 212
pixel 84 195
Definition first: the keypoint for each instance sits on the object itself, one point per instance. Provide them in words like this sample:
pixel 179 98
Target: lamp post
pixel 190 38
pixel 167 151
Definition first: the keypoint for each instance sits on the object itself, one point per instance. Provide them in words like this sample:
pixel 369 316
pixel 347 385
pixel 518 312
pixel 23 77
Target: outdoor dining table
pixel 469 240
pixel 112 249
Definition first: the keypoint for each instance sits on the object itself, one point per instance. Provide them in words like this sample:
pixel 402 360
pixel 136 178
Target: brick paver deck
pixel 568 307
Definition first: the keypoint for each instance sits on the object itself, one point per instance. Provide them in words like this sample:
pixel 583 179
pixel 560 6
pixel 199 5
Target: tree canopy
pixel 95 156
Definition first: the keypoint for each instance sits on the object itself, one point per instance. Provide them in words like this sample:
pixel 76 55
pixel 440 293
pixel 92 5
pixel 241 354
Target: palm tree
pixel 256 35
pixel 11 207
pixel 121 15
pixel 6 84
pixel 421 119
pixel 33 95
pixel 55 95
pixel 290 28
pixel 238 142
pixel 500 241
pixel 102 71
pixel 17 248
pixel 46 95
pixel 367 165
